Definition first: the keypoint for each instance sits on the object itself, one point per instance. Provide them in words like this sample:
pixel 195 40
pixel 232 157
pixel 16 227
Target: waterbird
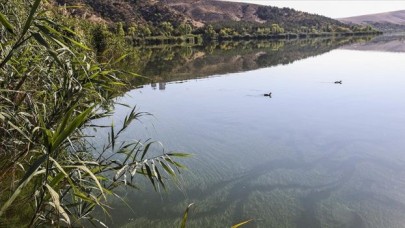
pixel 267 94
pixel 338 82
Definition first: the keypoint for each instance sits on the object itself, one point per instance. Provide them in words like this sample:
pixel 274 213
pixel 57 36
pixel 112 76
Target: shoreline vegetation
pixel 199 40
pixel 141 36
pixel 52 86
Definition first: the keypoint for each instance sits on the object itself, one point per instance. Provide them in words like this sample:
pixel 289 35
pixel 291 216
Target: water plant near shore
pixel 51 87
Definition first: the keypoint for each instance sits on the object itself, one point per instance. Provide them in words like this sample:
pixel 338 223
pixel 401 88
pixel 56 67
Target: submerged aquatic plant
pixel 51 87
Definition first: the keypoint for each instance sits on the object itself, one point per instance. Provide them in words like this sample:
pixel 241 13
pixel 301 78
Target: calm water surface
pixel 315 154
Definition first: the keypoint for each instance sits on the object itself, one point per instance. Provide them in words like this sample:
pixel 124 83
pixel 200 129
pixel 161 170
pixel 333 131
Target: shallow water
pixel 315 154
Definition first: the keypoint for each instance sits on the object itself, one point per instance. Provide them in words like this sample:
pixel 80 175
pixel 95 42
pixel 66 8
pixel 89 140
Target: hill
pixel 127 11
pixel 389 21
pixel 208 11
pixel 395 17
pixel 198 13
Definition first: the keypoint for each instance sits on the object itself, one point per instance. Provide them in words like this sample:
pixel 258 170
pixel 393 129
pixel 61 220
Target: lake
pixel 314 154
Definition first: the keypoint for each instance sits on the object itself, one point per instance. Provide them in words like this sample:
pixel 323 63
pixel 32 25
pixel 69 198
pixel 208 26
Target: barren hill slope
pixel 208 11
pixel 198 13
pixel 395 17
pixel 387 22
pixel 129 11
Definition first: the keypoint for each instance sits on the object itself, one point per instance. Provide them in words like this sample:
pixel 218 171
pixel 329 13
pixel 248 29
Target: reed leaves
pixel 52 87
pixel 242 223
pixel 185 216
pixel 57 204
pixel 6 23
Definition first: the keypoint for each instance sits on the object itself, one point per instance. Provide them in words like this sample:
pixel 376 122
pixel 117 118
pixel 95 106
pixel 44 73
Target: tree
pixel 166 28
pixel 185 29
pixel 275 28
pixel 144 31
pixel 227 32
pixel 132 30
pixel 120 29
pixel 223 32
pixel 210 33
pixel 263 31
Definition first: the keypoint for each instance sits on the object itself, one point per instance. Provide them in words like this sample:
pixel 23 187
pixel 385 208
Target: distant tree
pixel 166 28
pixel 328 28
pixel 223 32
pixel 120 29
pixel 275 28
pixel 227 32
pixel 263 31
pixel 314 30
pixel 144 31
pixel 304 29
pixel 342 29
pixel 210 32
pixel 185 29
pixel 132 30
pixel 245 31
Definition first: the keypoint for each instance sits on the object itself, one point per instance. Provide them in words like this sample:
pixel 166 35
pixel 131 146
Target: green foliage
pixel 341 29
pixel 132 30
pixel 166 28
pixel 100 38
pixel 210 33
pixel 242 223
pixel 185 29
pixel 185 216
pixel 275 28
pixel 52 87
pixel 144 31
pixel 120 29
pixel 6 23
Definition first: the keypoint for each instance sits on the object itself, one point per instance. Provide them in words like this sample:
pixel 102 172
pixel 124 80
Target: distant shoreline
pixel 191 40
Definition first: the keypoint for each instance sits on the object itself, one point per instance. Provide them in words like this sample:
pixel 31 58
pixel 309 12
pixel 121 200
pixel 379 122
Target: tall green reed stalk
pixel 51 87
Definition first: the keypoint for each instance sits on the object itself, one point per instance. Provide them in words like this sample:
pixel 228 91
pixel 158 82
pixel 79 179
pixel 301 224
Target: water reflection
pixel 162 85
pixel 315 155
pixel 387 43
pixel 165 64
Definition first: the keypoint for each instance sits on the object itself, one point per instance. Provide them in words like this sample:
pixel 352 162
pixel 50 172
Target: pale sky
pixel 335 9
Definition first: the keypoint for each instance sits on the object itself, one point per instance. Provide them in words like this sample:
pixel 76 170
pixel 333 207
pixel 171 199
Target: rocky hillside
pixel 128 11
pixel 389 21
pixel 207 11
pixel 395 17
pixel 196 12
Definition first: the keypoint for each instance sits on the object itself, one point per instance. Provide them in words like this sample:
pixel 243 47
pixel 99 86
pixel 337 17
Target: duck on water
pixel 267 94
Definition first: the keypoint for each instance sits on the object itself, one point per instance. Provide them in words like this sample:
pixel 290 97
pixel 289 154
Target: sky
pixel 335 9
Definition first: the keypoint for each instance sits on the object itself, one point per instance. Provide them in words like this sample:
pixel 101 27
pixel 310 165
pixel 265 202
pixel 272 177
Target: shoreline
pixel 196 40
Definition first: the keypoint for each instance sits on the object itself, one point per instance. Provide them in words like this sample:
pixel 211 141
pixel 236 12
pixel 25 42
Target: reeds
pixel 51 87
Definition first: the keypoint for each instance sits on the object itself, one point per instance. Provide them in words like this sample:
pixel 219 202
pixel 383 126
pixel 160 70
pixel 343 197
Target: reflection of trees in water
pixel 183 63
pixel 162 85
pixel 386 43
